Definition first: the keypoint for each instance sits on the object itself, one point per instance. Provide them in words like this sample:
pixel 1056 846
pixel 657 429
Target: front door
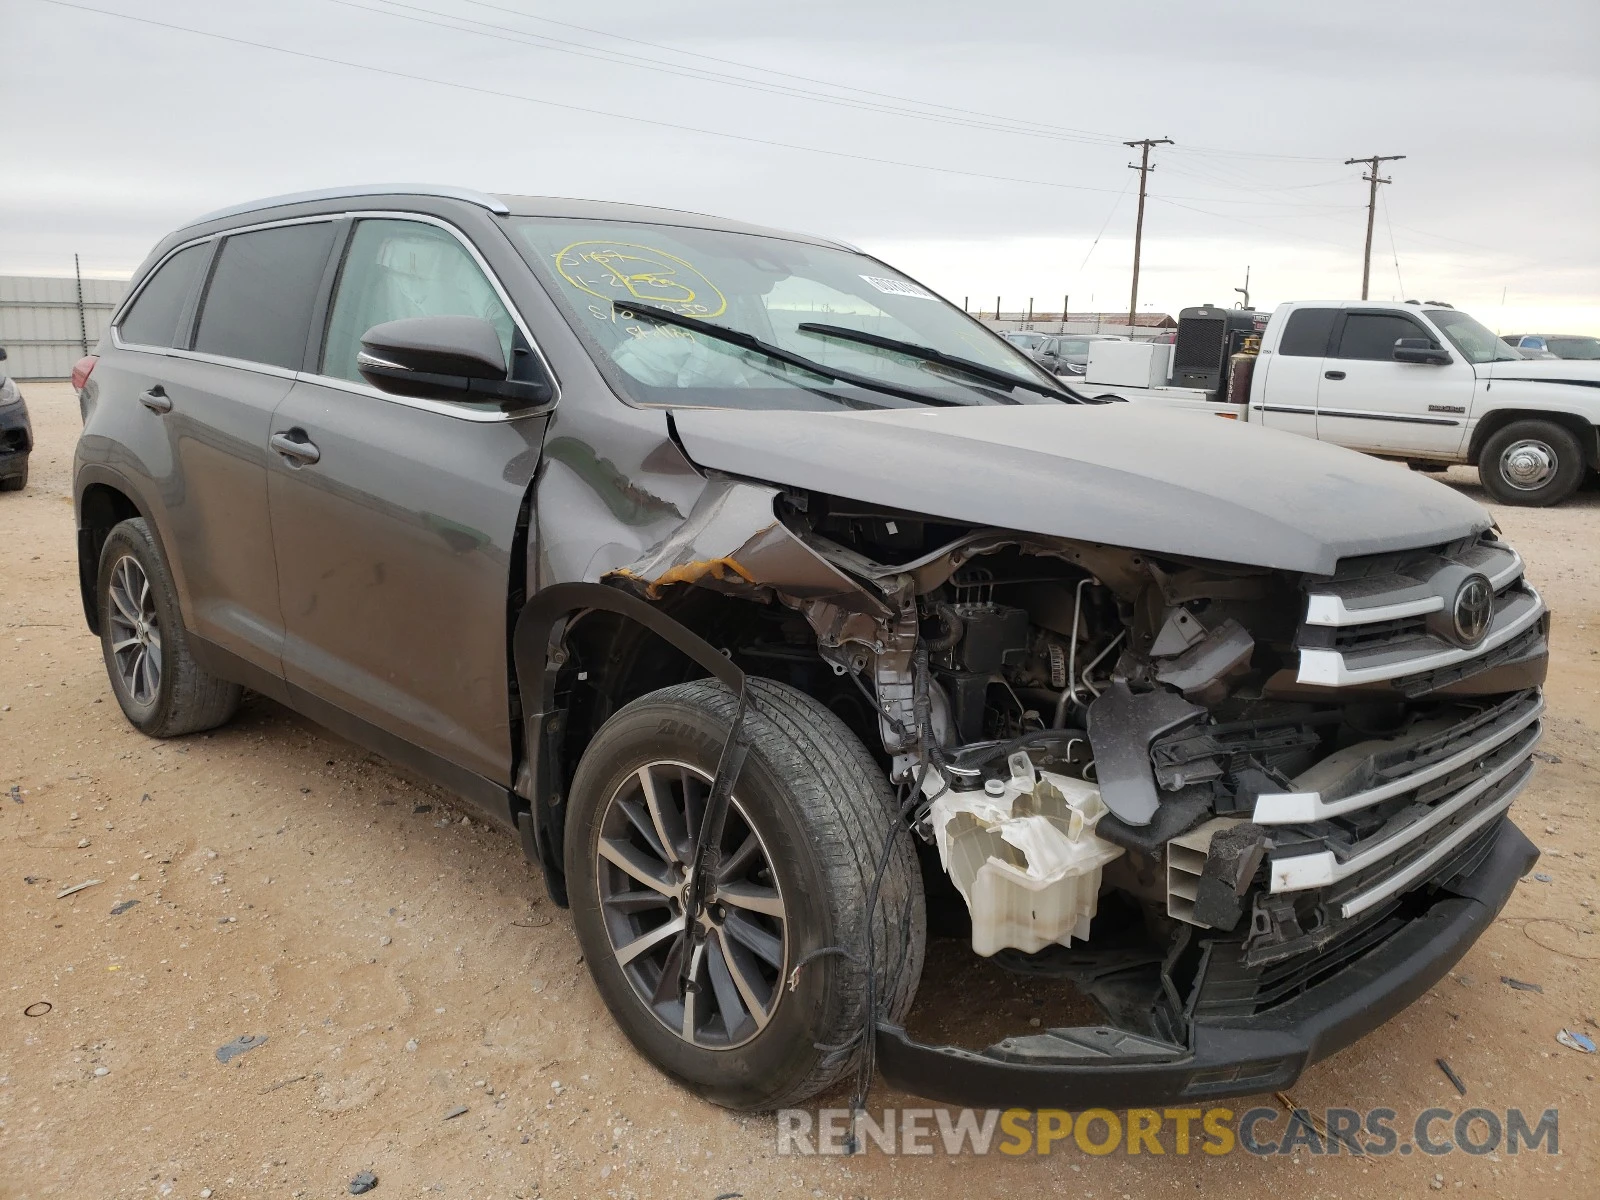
pixel 1371 402
pixel 396 522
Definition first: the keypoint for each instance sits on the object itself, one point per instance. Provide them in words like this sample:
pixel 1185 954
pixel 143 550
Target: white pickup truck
pixel 1423 383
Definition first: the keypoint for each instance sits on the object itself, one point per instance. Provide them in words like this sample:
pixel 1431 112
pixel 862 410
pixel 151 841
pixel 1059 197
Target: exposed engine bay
pixel 1123 768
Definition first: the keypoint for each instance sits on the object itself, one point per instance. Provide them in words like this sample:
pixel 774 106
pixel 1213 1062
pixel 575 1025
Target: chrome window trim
pixel 1323 868
pixel 464 411
pixel 1294 808
pixel 444 408
pixel 1326 668
pixel 440 191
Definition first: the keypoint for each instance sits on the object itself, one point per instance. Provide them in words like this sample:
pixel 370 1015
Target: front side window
pixel 773 289
pixel 1306 335
pixel 396 269
pixel 258 304
pixel 1372 335
pixel 1474 339
pixel 153 318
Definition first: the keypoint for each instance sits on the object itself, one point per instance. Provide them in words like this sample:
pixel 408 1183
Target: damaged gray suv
pixel 789 617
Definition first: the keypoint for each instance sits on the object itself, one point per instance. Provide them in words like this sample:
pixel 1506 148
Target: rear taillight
pixel 81 370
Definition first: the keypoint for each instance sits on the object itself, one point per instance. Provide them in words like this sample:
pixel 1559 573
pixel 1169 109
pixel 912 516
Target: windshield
pixel 1471 337
pixel 1574 347
pixel 765 287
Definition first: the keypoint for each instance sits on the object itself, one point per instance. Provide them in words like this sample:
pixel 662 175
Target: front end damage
pixel 1250 813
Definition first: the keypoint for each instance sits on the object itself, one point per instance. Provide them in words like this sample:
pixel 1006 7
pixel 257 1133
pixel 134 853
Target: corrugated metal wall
pixel 39 322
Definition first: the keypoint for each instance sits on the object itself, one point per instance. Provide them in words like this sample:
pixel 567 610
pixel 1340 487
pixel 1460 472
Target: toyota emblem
pixel 1473 610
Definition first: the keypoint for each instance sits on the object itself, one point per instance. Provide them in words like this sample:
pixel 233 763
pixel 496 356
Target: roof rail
pixel 470 196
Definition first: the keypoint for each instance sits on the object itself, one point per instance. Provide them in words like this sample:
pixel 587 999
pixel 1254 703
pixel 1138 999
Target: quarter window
pixel 1306 334
pixel 1372 335
pixel 397 269
pixel 258 305
pixel 153 319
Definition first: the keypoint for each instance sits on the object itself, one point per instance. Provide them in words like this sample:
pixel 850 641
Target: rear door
pixel 1289 375
pixel 233 359
pixel 396 521
pixel 1370 402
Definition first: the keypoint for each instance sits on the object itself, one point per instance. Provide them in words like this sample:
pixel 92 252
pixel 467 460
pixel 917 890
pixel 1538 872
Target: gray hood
pixel 1119 474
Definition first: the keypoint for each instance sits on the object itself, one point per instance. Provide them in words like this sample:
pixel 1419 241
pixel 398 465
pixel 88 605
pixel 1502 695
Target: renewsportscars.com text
pixel 1213 1131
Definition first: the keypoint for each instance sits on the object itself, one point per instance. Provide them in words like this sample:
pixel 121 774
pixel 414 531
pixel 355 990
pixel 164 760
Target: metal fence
pixel 47 324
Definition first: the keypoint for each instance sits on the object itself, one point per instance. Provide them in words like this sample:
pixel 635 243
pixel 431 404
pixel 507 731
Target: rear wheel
pixel 810 813
pixel 161 689
pixel 17 480
pixel 1531 463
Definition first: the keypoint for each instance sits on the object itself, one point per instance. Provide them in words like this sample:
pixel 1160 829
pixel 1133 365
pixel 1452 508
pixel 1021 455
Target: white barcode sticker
pixel 899 287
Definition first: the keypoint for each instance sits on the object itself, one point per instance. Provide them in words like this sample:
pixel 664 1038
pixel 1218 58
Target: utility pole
pixel 83 325
pixel 1068 297
pixel 1372 177
pixel 1144 168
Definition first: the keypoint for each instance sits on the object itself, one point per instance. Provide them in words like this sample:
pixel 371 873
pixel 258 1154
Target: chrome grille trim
pixel 1328 668
pixel 1293 808
pixel 1324 868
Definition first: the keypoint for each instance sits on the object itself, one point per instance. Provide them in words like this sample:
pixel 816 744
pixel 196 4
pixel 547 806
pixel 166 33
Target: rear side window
pixel 396 269
pixel 1306 334
pixel 1372 335
pixel 258 306
pixel 153 319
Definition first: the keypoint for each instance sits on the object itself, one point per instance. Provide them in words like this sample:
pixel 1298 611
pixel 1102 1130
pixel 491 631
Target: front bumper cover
pixel 1226 1057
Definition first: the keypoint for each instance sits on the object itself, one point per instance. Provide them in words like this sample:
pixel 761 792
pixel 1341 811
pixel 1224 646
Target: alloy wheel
pixel 135 631
pixel 648 834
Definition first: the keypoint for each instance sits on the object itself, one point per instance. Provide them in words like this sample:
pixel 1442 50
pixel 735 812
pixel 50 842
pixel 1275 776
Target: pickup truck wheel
pixel 17 480
pixel 1531 463
pixel 162 690
pixel 810 814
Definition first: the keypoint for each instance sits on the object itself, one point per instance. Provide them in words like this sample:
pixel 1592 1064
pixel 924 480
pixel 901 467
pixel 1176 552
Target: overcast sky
pixel 1003 123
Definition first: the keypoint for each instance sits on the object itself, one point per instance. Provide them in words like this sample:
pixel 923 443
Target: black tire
pixel 821 808
pixel 16 481
pixel 181 696
pixel 1531 464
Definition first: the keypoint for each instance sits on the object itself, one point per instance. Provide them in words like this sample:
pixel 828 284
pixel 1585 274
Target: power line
pixel 500 33
pixel 1144 168
pixel 498 94
pixel 1104 138
pixel 1394 250
pixel 1372 162
pixel 1104 225
pixel 569 107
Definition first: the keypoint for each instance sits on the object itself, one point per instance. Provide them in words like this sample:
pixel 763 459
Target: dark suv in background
pixel 16 433
pixel 788 615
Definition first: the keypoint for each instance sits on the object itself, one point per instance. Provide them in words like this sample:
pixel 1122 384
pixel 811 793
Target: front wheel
pixel 1531 463
pixel 810 814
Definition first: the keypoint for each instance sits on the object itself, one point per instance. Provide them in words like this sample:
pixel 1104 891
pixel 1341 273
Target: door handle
pixel 297 449
pixel 1333 374
pixel 156 399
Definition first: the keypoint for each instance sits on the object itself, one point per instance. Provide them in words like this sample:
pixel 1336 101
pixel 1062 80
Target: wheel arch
pixel 1492 422
pixel 103 504
pixel 562 633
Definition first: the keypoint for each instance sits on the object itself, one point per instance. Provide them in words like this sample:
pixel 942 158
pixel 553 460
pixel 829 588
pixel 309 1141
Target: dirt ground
pixel 400 960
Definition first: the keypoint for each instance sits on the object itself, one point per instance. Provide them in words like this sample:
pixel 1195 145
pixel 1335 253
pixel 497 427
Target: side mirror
pixel 1420 350
pixel 2 354
pixel 444 358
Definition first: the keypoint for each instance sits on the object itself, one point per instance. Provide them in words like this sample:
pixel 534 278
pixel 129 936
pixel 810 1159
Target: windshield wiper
pixel 929 354
pixel 745 341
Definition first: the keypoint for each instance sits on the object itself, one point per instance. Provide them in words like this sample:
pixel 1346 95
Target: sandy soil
pixel 400 960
